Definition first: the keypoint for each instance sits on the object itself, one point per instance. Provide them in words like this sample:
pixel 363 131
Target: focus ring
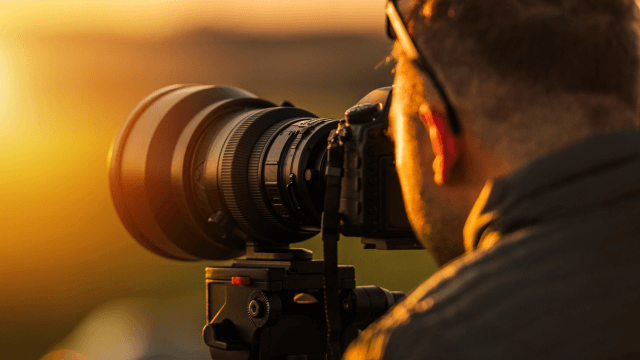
pixel 234 173
pixel 253 177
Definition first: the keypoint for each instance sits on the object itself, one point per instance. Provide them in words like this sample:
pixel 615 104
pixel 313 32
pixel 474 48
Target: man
pixel 515 126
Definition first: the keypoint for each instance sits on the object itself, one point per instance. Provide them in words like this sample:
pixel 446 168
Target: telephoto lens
pixel 197 172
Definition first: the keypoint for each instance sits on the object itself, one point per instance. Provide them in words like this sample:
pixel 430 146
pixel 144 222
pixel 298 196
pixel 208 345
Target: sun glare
pixel 8 91
pixel 4 93
pixel 3 86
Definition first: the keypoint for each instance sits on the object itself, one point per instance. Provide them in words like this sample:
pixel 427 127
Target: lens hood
pixel 146 166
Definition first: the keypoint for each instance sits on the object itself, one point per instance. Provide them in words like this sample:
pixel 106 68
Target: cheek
pixel 413 161
pixel 413 147
pixel 414 180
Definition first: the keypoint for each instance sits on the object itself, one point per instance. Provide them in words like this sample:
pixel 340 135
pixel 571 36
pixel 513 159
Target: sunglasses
pixel 397 11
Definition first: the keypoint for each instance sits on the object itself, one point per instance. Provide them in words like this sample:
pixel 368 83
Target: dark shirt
pixel 552 269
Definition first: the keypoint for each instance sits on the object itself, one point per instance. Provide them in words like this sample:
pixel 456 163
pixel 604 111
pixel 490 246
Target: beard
pixel 438 227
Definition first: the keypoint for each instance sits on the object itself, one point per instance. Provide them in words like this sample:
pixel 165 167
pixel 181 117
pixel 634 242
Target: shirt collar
pixel 580 178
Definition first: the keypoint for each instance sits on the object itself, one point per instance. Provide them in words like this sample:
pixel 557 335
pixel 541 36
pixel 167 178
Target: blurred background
pixel 73 283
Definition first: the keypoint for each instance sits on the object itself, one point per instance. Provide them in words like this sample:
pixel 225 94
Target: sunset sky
pixel 152 18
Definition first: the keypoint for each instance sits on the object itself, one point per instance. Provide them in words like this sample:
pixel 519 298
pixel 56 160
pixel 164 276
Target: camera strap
pixel 330 237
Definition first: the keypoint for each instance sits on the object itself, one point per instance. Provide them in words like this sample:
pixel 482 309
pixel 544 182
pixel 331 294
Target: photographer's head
pixel 525 78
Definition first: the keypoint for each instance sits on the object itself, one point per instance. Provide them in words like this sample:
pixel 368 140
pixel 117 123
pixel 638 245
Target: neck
pixel 530 129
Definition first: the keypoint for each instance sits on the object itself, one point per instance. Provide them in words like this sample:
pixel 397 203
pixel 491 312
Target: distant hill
pixel 327 70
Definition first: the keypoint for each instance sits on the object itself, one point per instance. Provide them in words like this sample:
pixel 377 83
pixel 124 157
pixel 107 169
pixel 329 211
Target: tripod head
pixel 270 306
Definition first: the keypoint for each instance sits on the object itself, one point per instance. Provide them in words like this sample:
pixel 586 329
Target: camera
pixel 215 173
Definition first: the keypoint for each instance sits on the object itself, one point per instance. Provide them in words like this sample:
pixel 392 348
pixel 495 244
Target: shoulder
pixel 413 324
pixel 534 292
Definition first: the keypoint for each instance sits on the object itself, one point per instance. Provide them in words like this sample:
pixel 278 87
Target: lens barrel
pixel 197 172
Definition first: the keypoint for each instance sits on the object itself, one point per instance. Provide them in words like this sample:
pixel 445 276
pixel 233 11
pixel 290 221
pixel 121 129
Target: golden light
pixel 9 123
pixel 11 66
pixel 70 72
pixel 4 84
pixel 120 329
pixel 156 18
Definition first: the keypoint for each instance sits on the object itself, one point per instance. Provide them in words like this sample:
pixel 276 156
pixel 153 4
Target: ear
pixel 445 145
